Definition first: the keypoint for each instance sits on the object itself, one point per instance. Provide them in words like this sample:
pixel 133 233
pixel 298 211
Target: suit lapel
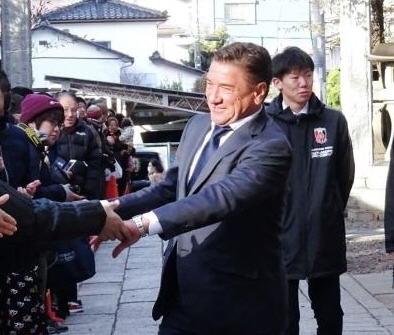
pixel 198 130
pixel 241 136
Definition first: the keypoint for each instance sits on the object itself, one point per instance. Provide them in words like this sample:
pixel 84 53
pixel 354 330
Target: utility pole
pixel 16 41
pixel 197 46
pixel 316 20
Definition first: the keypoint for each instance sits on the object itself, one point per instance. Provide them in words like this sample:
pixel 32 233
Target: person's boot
pixel 55 328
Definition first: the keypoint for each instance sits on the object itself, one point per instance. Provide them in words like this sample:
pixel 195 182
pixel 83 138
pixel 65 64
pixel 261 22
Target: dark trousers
pixel 64 294
pixel 325 296
pixel 176 323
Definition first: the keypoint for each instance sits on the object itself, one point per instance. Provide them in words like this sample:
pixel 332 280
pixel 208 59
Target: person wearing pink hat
pixel 18 267
pixel 96 117
pixel 41 117
pixel 45 115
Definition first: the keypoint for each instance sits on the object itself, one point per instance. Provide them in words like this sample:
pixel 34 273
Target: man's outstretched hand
pixel 135 236
pixel 114 228
pixel 7 222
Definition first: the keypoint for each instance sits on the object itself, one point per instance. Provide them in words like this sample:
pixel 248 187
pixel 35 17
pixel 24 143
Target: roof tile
pixel 104 10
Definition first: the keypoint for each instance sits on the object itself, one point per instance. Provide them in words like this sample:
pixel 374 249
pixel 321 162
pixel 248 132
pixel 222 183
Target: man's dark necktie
pixel 207 151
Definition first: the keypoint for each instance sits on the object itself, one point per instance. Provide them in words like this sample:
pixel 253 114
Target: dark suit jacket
pixel 227 266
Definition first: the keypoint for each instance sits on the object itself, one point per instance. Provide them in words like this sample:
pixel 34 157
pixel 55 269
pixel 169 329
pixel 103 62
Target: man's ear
pixel 277 83
pixel 260 92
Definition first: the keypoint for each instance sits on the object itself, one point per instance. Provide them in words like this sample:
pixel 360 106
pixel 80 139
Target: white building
pixel 105 40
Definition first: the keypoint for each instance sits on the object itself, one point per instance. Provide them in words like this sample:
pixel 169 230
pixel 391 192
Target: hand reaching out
pixel 7 222
pixel 71 195
pixel 30 188
pixel 135 236
pixel 114 227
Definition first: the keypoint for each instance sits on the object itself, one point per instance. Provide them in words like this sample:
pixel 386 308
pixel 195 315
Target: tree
pixel 377 22
pixel 16 41
pixel 317 29
pixel 219 38
pixel 173 85
pixel 334 89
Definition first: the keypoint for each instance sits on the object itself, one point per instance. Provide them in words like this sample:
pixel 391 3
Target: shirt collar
pixel 235 125
pixel 304 109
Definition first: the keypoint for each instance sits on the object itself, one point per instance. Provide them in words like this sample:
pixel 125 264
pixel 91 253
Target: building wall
pixel 66 58
pixel 277 24
pixel 137 39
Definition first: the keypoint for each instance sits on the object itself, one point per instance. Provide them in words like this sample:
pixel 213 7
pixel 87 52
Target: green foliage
pixel 333 89
pixel 218 39
pixel 174 85
pixel 211 43
pixel 199 84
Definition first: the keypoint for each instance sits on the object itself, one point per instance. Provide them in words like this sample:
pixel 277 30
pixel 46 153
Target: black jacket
pixel 389 206
pixel 321 177
pixel 80 143
pixel 16 153
pixel 42 221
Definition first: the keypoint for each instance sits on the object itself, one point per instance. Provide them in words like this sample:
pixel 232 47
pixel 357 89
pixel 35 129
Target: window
pixel 240 13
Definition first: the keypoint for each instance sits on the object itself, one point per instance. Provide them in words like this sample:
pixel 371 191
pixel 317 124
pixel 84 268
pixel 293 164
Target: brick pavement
pixel 119 298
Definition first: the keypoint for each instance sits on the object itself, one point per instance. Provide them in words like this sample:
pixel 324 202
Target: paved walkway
pixel 119 298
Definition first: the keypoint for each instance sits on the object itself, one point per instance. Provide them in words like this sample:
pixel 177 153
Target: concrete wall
pixel 356 80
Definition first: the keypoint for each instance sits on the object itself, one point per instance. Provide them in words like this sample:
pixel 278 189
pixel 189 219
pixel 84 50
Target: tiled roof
pixel 156 58
pixel 103 10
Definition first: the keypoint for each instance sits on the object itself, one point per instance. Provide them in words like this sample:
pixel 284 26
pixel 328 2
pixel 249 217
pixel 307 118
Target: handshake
pixel 53 221
pixel 128 232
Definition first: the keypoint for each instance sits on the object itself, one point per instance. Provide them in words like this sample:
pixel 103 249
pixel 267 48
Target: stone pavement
pixel 119 298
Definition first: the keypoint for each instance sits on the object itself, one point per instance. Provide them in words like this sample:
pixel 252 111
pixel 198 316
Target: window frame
pixel 234 14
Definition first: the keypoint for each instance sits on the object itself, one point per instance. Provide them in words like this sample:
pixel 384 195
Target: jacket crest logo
pixel 320 135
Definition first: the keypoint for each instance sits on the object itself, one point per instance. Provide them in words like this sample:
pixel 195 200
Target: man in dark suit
pixel 223 272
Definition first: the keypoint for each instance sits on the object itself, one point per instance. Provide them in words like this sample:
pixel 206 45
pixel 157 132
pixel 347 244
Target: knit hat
pixel 34 105
pixel 94 112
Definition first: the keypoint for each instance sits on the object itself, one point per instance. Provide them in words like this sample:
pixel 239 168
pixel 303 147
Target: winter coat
pixel 80 143
pixel 47 189
pixel 127 135
pixel 15 150
pixel 389 206
pixel 119 149
pixel 41 222
pixel 321 177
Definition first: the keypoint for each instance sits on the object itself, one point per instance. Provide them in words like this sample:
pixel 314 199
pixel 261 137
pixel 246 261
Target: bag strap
pixel 32 136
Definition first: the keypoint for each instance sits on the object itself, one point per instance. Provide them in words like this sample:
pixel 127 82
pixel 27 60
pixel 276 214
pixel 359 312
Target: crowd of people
pixel 57 147
pixel 253 203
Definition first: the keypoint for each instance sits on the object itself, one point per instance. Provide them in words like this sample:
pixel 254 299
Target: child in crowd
pixel 127 129
pixel 155 171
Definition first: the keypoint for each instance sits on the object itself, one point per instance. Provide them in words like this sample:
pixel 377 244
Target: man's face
pixel 81 111
pixel 70 110
pixel 230 93
pixel 296 86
